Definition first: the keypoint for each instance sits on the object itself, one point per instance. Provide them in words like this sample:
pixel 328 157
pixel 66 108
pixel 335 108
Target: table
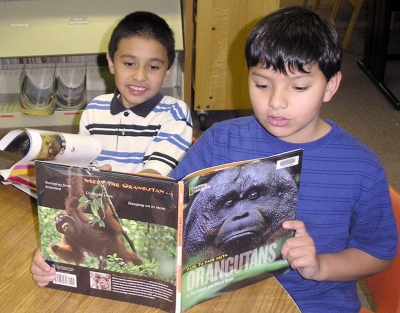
pixel 376 45
pixel 19 235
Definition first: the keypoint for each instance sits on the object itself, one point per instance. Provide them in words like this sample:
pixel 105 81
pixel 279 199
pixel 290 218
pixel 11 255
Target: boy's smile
pixel 288 106
pixel 140 67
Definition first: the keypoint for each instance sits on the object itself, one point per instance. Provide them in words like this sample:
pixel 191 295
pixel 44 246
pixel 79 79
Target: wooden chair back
pixel 356 4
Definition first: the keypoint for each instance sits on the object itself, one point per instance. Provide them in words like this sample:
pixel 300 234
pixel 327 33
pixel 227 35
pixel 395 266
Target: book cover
pixel 232 234
pixel 163 243
pixel 118 227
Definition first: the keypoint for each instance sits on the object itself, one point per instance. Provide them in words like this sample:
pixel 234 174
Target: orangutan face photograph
pixel 238 210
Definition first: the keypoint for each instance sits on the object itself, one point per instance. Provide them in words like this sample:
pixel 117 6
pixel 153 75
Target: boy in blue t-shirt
pixel 344 228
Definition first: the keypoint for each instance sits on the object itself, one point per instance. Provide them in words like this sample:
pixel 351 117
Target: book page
pixel 8 159
pixel 28 145
pixel 16 147
pixel 75 149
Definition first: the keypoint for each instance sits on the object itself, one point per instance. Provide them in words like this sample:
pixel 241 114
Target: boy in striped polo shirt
pixel 140 128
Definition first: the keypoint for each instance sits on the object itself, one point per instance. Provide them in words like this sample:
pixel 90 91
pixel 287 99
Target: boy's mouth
pixel 277 121
pixel 137 90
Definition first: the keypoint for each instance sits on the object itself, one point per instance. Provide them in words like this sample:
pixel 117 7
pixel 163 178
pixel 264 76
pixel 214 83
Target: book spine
pixel 181 198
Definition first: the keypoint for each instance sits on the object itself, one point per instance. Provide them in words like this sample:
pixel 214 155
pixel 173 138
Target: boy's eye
pixel 300 88
pixel 262 86
pixel 129 63
pixel 153 67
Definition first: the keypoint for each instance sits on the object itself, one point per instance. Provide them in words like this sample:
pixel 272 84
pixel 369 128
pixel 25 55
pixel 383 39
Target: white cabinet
pixel 59 27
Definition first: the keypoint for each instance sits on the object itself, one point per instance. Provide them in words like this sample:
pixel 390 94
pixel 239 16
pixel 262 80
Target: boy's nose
pixel 139 74
pixel 277 100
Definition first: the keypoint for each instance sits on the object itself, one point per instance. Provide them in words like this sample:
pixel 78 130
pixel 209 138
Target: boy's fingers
pixel 42 281
pixel 39 262
pixel 297 226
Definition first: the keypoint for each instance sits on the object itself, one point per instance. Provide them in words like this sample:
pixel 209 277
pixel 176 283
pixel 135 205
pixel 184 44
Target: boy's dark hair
pixel 294 37
pixel 144 24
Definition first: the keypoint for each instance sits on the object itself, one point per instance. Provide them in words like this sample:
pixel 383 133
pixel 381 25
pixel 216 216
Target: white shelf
pixel 10 115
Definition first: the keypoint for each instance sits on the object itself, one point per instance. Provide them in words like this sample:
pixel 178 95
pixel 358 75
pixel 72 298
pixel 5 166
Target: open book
pixel 163 243
pixel 22 146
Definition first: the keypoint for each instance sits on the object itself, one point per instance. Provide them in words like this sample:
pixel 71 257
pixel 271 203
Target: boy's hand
pixel 343 265
pixel 300 250
pixel 105 167
pixel 42 273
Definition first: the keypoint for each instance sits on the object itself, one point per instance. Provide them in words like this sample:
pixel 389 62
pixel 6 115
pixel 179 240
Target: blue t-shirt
pixel 343 199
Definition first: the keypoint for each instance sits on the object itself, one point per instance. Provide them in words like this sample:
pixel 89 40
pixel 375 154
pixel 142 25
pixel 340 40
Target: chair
pixel 315 5
pixel 356 4
pixel 384 287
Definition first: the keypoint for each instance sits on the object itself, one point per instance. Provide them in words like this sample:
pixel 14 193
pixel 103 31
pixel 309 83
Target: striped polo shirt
pixel 151 135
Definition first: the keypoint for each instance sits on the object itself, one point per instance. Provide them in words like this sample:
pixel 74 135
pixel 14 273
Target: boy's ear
pixel 332 86
pixel 168 72
pixel 110 63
